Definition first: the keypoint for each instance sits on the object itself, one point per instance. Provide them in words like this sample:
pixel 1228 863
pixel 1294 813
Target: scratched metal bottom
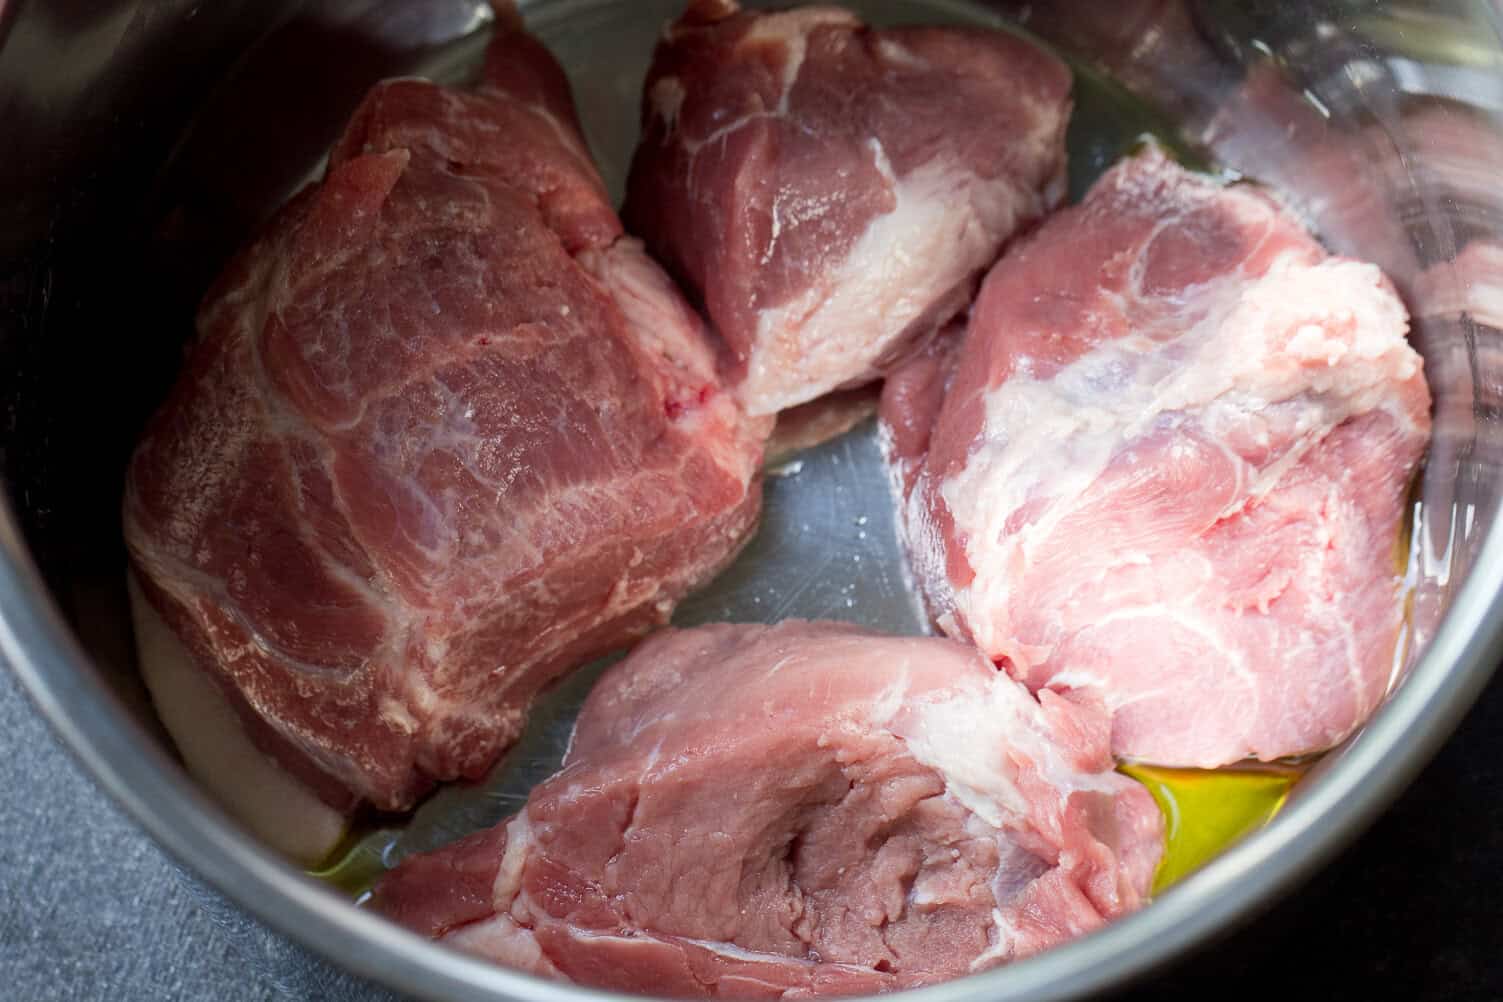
pixel 826 549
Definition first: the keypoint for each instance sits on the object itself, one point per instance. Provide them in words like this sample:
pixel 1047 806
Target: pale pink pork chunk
pixel 1170 469
pixel 444 434
pixel 830 192
pixel 807 808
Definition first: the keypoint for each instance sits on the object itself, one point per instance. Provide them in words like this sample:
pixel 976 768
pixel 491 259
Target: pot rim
pixel 1333 808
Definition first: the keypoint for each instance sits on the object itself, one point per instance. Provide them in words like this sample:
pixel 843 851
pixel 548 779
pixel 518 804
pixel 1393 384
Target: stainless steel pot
pixel 144 138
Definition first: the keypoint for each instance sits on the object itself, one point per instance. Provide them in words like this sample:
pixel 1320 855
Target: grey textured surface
pixel 91 909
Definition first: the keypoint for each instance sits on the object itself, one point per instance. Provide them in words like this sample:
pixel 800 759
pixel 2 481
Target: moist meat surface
pixel 445 433
pixel 803 808
pixel 1170 469
pixel 832 192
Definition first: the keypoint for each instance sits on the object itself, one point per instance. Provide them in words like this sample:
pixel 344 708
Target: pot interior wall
pixel 149 138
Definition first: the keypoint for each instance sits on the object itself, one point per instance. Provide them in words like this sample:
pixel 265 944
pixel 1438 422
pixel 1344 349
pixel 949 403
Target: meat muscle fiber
pixel 807 808
pixel 445 433
pixel 832 192
pixel 1170 469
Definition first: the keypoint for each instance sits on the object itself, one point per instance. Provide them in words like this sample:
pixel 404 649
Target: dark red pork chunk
pixel 1170 469
pixel 802 809
pixel 832 192
pixel 445 433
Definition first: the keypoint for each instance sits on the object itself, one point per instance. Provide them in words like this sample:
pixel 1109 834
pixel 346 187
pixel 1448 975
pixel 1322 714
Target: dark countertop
pixel 91 909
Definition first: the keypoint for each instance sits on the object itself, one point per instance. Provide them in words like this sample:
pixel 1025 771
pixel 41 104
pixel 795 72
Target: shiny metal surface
pixel 146 138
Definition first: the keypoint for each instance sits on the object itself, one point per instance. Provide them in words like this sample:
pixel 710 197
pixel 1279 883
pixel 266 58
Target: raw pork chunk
pixel 831 192
pixel 808 808
pixel 444 434
pixel 1170 469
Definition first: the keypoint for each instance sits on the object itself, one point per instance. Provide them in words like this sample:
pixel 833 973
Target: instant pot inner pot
pixel 147 140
